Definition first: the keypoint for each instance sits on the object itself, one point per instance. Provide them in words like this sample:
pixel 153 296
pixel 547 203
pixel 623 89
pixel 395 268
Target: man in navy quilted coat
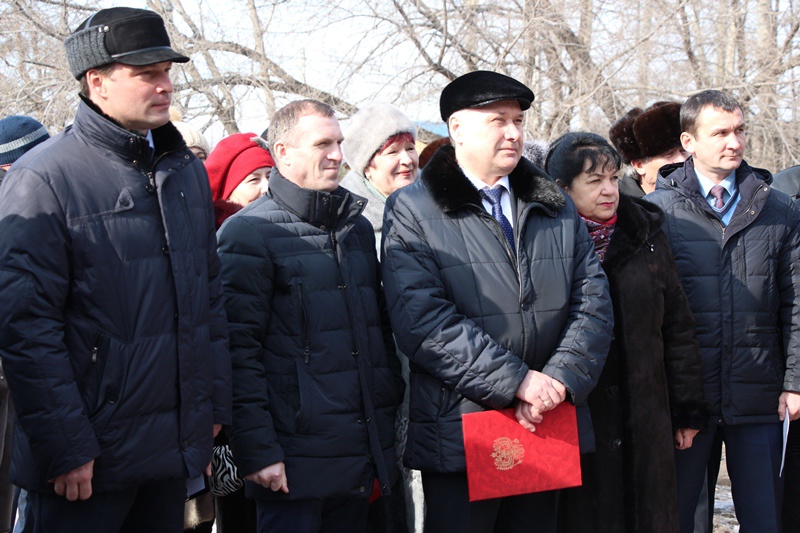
pixel 112 328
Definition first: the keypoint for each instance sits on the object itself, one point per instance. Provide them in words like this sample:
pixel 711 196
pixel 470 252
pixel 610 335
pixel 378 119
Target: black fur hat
pixel 647 133
pixel 482 87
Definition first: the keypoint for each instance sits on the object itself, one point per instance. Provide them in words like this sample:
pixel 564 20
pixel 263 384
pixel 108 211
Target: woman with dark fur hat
pixel 650 393
pixel 647 140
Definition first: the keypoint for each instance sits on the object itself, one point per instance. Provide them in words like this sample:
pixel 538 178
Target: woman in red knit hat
pixel 238 171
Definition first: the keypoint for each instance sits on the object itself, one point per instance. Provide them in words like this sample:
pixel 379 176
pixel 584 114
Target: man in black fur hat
pixel 647 139
pixel 495 295
pixel 115 346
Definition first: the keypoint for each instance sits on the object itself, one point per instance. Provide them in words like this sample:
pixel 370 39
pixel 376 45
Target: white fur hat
pixel 369 129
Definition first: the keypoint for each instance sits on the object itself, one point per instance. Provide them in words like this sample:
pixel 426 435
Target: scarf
pixel 601 233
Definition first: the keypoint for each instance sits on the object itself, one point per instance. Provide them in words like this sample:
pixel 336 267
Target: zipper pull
pixel 308 352
pixel 96 347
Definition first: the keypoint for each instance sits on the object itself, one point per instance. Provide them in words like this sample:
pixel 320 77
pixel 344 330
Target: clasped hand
pixel 538 393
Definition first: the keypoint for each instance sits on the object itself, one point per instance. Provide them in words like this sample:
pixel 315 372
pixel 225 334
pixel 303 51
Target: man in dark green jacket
pixel 495 294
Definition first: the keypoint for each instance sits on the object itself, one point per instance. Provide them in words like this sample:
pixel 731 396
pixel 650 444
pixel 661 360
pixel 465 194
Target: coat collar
pixel 105 131
pixel 683 176
pixel 325 210
pixel 753 186
pixel 451 189
pixel 638 221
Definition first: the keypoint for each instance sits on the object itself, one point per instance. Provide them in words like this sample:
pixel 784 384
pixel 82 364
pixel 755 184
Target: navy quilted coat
pixel 316 379
pixel 112 328
pixel 743 285
pixel 472 317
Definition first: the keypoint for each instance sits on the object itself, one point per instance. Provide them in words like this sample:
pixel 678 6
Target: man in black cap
pixel 115 345
pixel 496 296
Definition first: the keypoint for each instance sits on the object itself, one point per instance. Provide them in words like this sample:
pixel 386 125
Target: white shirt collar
pixel 481 185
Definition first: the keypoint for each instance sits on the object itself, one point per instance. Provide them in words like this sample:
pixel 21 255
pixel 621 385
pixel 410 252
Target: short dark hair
pixel 568 155
pixel 105 70
pixel 281 127
pixel 691 108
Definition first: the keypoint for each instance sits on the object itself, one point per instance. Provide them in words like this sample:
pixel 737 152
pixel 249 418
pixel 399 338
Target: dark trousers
pixel 753 458
pixel 155 507
pixel 236 513
pixel 340 515
pixel 448 509
pixel 387 514
pixel 791 477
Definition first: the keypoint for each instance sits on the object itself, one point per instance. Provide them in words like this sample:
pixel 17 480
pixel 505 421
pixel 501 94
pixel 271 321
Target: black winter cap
pixel 479 88
pixel 119 35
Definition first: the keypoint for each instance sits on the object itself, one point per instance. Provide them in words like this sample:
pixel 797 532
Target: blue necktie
pixel 493 196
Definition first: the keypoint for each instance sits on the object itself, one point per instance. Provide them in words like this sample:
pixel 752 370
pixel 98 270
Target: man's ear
pixel 96 82
pixel 687 141
pixel 638 166
pixel 280 154
pixel 454 127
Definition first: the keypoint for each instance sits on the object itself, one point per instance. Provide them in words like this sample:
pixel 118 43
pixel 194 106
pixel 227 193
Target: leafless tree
pixel 588 61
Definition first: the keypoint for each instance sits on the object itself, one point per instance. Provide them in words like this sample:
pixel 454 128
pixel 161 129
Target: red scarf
pixel 601 233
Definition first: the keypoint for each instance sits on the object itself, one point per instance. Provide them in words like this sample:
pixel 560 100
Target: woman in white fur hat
pixel 380 148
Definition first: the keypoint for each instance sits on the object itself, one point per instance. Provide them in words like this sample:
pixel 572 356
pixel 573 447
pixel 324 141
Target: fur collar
pixel 451 189
pixel 638 222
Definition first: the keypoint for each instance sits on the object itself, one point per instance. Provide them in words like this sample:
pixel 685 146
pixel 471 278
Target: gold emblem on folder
pixel 507 453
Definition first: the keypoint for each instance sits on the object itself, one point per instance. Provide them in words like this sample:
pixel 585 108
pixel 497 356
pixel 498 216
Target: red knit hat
pixel 232 160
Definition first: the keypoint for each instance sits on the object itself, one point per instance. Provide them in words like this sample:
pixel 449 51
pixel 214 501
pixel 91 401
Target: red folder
pixel 505 459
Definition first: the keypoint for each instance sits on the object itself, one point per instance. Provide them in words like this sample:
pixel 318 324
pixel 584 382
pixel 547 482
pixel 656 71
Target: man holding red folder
pixel 495 295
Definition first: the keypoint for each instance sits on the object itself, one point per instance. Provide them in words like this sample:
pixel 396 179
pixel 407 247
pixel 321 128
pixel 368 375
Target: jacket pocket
pixel 444 401
pixel 305 386
pixel 93 380
pixel 763 330
pixel 302 315
pixel 105 379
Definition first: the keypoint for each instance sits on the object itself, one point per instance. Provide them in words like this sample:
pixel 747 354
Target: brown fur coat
pixel 651 385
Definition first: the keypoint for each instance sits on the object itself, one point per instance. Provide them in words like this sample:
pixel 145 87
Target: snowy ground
pixel 724 517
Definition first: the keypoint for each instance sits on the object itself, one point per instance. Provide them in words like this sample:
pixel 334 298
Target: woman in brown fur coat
pixel 650 395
